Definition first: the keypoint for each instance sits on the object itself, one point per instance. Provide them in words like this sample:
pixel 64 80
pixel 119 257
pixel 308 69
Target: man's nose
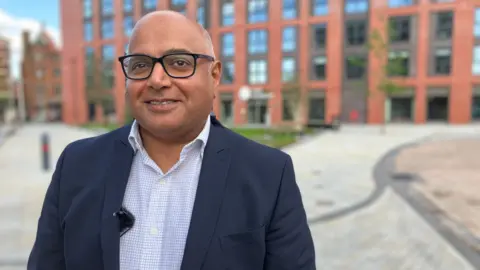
pixel 159 77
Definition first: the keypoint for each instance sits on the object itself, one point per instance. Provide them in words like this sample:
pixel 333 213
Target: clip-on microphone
pixel 126 220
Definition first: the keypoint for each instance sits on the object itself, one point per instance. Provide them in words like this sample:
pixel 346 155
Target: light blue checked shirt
pixel 162 204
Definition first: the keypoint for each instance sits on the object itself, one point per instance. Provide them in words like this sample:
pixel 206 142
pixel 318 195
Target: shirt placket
pixel 153 229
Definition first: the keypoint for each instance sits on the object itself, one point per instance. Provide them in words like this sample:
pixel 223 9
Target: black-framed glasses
pixel 176 65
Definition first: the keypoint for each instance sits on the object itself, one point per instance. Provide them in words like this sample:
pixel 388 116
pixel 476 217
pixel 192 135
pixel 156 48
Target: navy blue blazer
pixel 248 212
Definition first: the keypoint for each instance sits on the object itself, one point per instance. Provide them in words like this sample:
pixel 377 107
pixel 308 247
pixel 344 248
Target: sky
pixel 19 15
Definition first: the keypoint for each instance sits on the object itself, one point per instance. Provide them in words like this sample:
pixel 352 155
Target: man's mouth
pixel 161 102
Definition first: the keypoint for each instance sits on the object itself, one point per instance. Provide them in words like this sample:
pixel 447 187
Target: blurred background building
pixel 41 78
pixel 319 44
pixel 6 95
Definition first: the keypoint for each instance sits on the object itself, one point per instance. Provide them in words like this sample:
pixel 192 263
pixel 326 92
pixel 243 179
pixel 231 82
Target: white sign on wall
pixel 245 93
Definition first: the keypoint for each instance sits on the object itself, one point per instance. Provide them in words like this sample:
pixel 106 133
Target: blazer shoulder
pixel 98 143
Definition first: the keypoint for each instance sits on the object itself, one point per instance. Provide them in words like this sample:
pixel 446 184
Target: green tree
pixel 294 97
pixel 98 88
pixel 391 65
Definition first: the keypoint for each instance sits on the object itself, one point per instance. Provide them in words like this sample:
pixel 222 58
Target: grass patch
pixel 277 138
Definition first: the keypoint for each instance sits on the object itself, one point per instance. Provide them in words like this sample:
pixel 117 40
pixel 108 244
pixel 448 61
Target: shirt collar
pixel 135 139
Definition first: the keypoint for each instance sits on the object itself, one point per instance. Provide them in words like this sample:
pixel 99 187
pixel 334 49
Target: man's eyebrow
pixel 177 50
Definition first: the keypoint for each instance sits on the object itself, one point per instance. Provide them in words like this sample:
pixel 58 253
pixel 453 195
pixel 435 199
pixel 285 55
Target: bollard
pixel 45 146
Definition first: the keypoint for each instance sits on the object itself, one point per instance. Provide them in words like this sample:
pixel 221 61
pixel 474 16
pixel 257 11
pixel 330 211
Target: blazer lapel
pixel 208 201
pixel 116 178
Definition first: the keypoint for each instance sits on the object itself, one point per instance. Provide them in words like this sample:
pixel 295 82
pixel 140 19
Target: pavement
pixel 356 222
pixel 23 184
pixel 446 175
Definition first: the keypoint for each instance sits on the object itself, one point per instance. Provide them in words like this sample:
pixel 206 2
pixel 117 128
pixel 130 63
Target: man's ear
pixel 216 72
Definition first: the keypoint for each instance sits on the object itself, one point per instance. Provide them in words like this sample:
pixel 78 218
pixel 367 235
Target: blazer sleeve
pixel 47 252
pixel 289 243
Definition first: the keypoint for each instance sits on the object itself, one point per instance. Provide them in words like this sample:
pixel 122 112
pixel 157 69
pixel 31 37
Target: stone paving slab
pixel 449 172
pixel 387 235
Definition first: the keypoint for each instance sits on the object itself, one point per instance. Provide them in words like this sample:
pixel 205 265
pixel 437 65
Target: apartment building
pixel 266 44
pixel 41 77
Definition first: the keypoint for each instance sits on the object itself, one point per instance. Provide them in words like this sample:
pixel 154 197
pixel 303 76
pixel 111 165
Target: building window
pixel 401 109
pixel 476 106
pixel 399 3
pixel 288 69
pixel 442 61
pixel 477 23
pixel 258 110
pixel 320 7
pixel 289 39
pixel 108 60
pixel 356 32
pixel 476 60
pixel 226 108
pixel 437 104
pixel 398 63
pixel 88 31
pixel 39 73
pixel 203 13
pixel 228 44
pixel 444 25
pixel 319 36
pixel 58 90
pixel 128 25
pixel 288 108
pixel 355 67
pixel 289 9
pixel 201 16
pixel 149 5
pixel 316 107
pixel 356 6
pixel 107 7
pixel 107 28
pixel 257 11
pixel 319 67
pixel 228 13
pixel 257 71
pixel 399 29
pixel 257 41
pixel 228 75
pixel 87 9
pixel 128 6
pixel 90 68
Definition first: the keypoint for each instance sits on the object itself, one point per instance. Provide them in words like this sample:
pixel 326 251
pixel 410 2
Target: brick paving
pixel 450 177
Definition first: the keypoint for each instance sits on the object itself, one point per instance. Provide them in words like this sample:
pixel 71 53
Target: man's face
pixel 164 104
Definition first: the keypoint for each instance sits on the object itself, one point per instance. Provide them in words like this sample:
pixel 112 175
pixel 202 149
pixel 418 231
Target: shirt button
pixel 153 231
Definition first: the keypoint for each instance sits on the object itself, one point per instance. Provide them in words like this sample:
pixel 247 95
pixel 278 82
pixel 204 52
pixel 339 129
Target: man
pixel 174 190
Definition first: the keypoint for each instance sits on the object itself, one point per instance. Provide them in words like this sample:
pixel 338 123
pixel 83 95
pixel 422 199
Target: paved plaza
pixel 357 222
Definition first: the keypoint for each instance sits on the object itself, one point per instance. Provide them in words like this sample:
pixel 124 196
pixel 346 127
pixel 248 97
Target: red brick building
pixel 264 43
pixel 41 77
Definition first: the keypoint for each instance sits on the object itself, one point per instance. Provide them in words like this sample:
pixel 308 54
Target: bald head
pixel 158 18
